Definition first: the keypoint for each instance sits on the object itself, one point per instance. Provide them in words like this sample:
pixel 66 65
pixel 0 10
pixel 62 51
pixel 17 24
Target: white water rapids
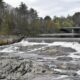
pixel 14 49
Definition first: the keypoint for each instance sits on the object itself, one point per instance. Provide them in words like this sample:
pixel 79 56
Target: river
pixel 40 61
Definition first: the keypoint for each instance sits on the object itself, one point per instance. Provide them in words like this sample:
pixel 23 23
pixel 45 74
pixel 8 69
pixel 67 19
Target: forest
pixel 24 21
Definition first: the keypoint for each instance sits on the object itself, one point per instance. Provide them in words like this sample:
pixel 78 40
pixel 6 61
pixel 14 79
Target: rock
pixel 43 71
pixel 56 51
pixel 65 58
pixel 2 76
pixel 65 72
pixel 6 40
pixel 73 66
pixel 64 49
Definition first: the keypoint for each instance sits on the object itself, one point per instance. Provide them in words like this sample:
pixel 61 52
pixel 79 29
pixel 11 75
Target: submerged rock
pixel 65 58
pixel 55 51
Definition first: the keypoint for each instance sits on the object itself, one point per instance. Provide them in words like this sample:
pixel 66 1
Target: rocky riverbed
pixel 40 61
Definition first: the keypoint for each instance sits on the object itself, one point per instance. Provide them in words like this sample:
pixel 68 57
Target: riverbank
pixel 9 39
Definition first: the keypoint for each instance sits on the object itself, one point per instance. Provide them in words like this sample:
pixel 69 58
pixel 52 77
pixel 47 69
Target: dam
pixel 69 34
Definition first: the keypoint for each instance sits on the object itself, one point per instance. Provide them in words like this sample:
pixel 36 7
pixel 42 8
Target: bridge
pixel 71 29
pixel 67 32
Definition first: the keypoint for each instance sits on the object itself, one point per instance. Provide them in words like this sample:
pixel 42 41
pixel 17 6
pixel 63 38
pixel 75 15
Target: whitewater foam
pixel 10 49
pixel 26 43
pixel 73 45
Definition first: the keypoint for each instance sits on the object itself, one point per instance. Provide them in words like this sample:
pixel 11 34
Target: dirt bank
pixel 9 39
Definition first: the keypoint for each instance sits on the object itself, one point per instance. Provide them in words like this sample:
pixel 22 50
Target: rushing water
pixel 49 54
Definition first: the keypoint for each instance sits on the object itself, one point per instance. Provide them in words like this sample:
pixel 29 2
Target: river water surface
pixel 40 61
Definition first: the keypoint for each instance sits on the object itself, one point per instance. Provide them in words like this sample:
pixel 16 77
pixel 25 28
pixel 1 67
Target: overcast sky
pixel 50 7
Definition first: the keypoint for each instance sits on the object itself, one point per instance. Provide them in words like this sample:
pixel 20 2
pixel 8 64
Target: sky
pixel 50 7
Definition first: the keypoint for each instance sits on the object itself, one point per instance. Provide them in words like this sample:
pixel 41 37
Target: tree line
pixel 24 21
